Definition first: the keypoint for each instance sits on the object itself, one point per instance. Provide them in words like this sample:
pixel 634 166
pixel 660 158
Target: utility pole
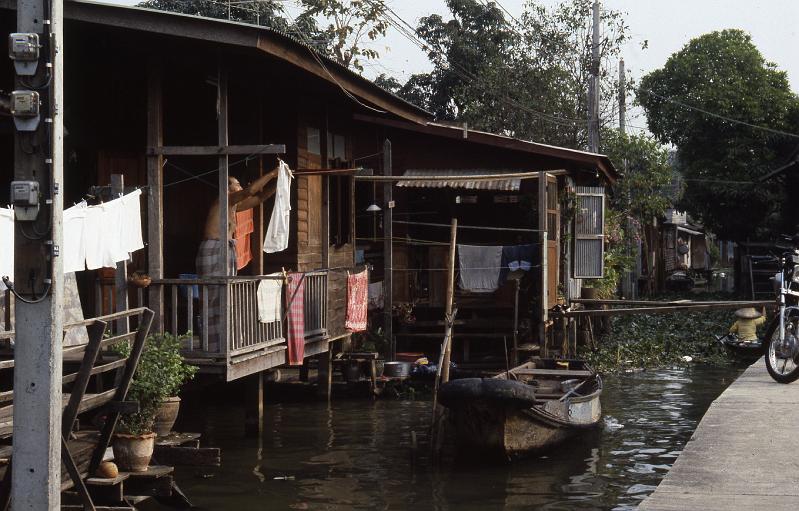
pixel 388 252
pixel 36 193
pixel 622 98
pixel 593 86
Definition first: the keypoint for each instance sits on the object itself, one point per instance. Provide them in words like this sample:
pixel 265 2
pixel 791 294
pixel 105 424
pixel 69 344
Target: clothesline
pixel 450 179
pixel 476 227
pixel 458 269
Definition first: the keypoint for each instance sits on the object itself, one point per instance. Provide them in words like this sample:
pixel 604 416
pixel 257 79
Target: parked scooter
pixel 780 342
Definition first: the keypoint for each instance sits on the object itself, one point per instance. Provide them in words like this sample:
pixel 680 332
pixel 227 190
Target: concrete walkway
pixel 743 455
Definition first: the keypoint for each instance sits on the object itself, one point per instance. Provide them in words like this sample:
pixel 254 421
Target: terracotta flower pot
pixel 166 416
pixel 132 453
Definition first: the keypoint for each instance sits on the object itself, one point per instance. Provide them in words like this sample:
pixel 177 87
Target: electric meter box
pixel 23 49
pixel 25 103
pixel 25 109
pixel 25 199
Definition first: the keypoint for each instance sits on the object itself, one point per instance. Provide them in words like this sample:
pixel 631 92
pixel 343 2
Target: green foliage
pixel 524 79
pixel 645 190
pixel 725 74
pixel 617 260
pixel 661 340
pixel 160 374
pixel 350 24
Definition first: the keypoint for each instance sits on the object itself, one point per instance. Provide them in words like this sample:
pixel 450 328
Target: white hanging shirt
pixel 74 250
pixel 269 298
pixel 277 235
pixel 131 222
pixel 6 245
pixel 92 237
pixel 112 241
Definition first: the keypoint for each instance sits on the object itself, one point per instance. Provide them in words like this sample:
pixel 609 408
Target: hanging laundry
pixel 6 245
pixel 113 237
pixel 74 249
pixel 131 222
pixel 277 234
pixel 244 226
pixel 357 301
pixel 479 268
pixel 376 295
pixel 295 327
pixel 269 294
pixel 93 237
pixel 517 257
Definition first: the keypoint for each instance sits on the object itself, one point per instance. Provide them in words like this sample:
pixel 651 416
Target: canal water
pixel 356 454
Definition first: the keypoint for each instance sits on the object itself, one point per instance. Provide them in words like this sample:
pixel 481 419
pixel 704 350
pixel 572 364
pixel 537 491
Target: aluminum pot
pixel 396 369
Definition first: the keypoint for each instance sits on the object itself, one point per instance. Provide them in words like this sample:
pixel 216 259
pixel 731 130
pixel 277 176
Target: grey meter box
pixel 25 199
pixel 23 49
pixel 25 109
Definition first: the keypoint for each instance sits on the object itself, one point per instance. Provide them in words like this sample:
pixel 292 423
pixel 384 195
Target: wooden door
pixel 553 241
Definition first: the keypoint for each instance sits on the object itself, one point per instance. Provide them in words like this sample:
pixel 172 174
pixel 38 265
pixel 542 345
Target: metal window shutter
pixel 589 233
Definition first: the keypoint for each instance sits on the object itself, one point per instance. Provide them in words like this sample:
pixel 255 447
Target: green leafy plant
pixel 160 374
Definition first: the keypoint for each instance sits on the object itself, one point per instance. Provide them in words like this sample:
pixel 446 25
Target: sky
pixel 667 25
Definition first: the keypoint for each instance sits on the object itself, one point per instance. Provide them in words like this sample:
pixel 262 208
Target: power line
pixel 719 116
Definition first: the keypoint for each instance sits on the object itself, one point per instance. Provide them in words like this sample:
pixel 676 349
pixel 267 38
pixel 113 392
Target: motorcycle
pixel 780 342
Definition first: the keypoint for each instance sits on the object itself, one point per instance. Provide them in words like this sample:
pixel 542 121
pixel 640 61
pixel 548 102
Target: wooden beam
pixel 224 231
pixel 542 239
pixel 121 274
pixel 657 310
pixel 215 150
pixel 155 201
pixel 388 252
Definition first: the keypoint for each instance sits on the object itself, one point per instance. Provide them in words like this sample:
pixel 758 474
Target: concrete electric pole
pixel 593 86
pixel 38 282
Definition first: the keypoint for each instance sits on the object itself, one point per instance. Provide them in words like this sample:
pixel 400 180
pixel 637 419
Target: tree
pixel 526 79
pixel 646 187
pixel 350 24
pixel 726 110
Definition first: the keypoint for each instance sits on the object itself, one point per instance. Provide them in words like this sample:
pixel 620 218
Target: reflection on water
pixel 357 454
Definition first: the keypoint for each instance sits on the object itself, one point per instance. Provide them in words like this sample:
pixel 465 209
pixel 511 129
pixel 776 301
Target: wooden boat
pixel 740 349
pixel 526 409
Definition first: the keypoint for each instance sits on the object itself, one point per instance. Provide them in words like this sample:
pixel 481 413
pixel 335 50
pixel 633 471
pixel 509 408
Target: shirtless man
pixel 209 256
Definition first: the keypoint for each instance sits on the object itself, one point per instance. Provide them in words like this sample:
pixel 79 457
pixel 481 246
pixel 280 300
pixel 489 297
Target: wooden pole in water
pixel 448 319
pixel 442 372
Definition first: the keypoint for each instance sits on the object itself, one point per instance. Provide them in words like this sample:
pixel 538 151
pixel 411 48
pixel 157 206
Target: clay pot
pixel 139 280
pixel 133 452
pixel 166 416
pixel 107 470
pixel 589 293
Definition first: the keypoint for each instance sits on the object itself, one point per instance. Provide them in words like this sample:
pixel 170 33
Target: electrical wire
pixel 719 116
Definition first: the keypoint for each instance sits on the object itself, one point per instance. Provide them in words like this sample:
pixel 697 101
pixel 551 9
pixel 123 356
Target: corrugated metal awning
pixel 460 180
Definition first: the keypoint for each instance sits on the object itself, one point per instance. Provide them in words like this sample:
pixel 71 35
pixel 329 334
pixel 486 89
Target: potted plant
pixel 159 375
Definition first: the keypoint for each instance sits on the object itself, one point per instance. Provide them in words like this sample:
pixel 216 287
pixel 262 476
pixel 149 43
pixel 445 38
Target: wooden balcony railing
pixel 189 309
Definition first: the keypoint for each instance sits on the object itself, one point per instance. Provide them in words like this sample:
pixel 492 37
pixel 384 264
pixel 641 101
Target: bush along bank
pixel 662 340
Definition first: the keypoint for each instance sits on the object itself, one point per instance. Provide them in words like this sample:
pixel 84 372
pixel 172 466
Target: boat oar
pixel 572 391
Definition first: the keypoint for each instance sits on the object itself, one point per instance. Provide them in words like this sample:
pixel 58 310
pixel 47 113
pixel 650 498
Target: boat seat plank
pixel 553 372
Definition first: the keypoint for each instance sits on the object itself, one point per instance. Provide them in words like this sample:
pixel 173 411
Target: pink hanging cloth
pixel 357 301
pixel 295 325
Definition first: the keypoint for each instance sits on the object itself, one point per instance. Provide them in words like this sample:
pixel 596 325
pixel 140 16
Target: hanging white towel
pixel 269 298
pixel 92 237
pixel 6 245
pixel 277 235
pixel 74 251
pixel 131 222
pixel 113 237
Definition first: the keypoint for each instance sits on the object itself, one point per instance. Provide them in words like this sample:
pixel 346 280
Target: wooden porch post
pixel 388 252
pixel 542 239
pixel 155 201
pixel 224 234
pixel 254 406
pixel 121 275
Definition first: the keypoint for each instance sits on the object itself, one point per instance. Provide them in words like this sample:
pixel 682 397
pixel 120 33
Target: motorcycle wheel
pixel 782 370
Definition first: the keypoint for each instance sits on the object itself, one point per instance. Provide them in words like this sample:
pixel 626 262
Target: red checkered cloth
pixel 357 301
pixel 295 324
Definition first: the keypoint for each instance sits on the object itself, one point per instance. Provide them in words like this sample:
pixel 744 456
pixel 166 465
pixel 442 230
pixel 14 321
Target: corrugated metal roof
pixel 507 185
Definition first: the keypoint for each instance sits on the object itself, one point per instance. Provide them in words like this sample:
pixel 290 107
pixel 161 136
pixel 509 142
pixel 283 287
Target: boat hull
pixel 499 430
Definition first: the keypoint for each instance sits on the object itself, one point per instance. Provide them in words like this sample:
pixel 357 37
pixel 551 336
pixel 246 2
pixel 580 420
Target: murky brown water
pixel 356 454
